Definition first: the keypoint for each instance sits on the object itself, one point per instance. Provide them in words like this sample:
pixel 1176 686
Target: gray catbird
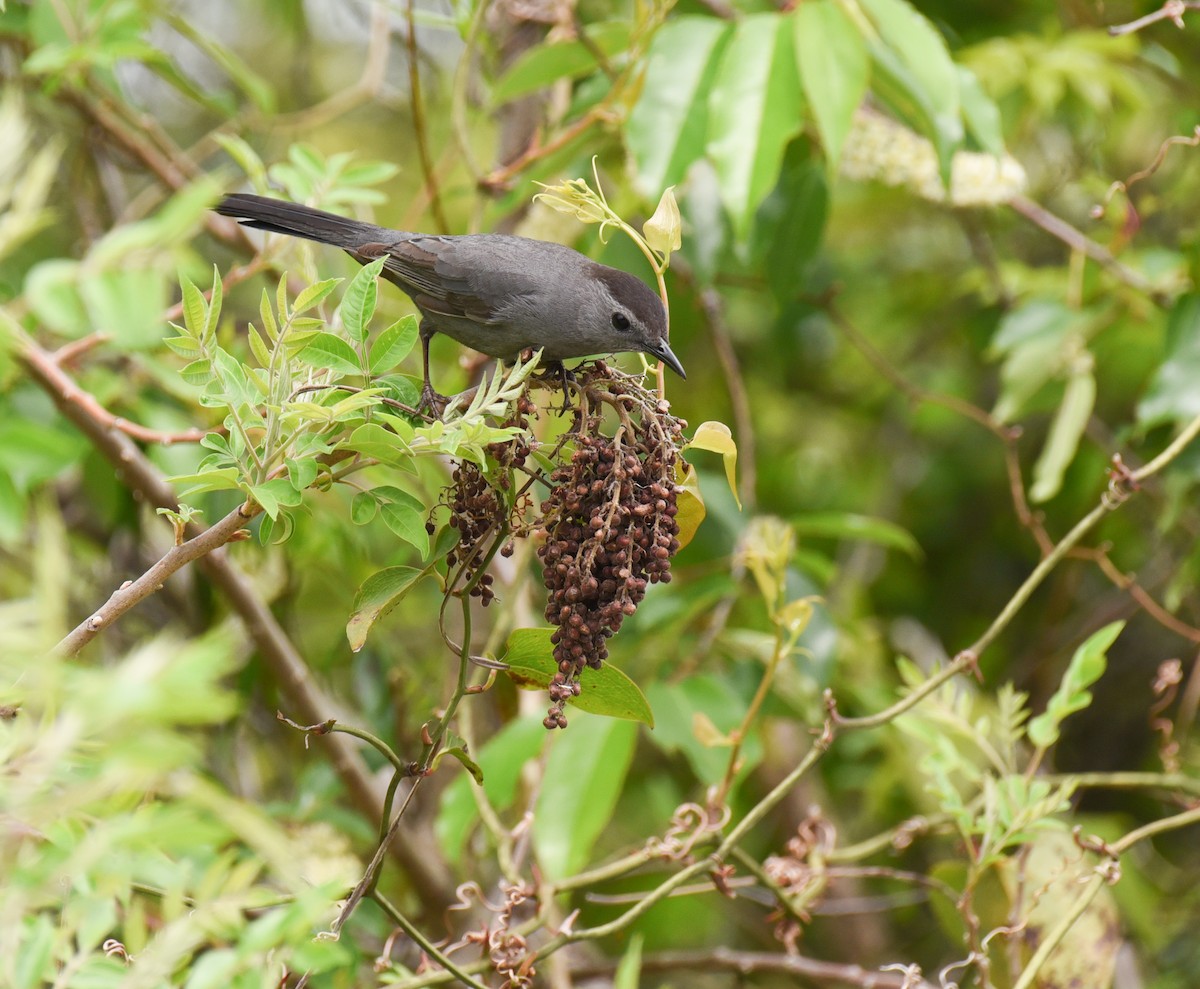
pixel 495 293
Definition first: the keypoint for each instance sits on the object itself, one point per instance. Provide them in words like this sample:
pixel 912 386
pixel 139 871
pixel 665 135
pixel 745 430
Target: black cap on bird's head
pixel 638 311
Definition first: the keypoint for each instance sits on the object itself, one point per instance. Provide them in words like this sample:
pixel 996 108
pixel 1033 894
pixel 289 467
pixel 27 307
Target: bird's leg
pixel 430 399
pixel 565 378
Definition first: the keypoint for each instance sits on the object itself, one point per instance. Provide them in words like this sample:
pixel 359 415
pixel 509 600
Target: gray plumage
pixel 494 293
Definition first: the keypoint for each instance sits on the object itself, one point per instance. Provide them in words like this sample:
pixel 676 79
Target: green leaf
pixel 668 125
pixel 980 112
pixel 32 962
pixel 32 453
pixel 218 479
pixel 859 528
pixel 314 295
pixel 1035 340
pixel 358 304
pixel 913 71
pixel 258 346
pixel 716 437
pixel 1065 433
pixel 52 290
pixel 1173 395
pixel 707 700
pixel 401 388
pixel 455 747
pixel 368 173
pixel 406 522
pixel 276 494
pixel 12 512
pixel 127 304
pixel 195 310
pixel 542 65
pixel 379 594
pixel 276 531
pixel 184 346
pixel 833 67
pixel 301 473
pixel 244 156
pixel 585 773
pixel 607 691
pixel 393 345
pixel 268 316
pixel 363 508
pixel 242 387
pixel 197 372
pixel 373 440
pixel 755 108
pixel 629 968
pixel 1086 667
pixel 215 302
pixel 329 351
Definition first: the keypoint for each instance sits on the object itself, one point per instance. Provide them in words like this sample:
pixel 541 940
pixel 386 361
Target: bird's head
pixel 627 315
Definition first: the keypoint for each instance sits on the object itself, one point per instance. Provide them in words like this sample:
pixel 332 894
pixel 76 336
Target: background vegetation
pixel 923 704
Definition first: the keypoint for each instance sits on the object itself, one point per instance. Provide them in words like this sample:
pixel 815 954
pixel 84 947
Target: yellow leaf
pixel 689 502
pixel 716 437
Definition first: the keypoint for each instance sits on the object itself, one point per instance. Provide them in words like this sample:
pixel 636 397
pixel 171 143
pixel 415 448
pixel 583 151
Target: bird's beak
pixel 664 353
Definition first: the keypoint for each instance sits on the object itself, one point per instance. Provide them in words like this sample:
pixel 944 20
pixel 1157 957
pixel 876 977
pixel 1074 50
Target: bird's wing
pixel 425 268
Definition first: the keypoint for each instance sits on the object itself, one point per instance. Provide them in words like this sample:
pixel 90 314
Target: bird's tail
pixel 280 216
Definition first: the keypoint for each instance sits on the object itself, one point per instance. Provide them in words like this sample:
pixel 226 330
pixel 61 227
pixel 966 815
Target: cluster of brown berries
pixel 474 508
pixel 479 505
pixel 610 532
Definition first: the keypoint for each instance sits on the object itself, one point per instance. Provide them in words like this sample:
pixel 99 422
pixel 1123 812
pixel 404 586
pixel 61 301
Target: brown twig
pixel 1077 241
pixel 420 130
pixel 68 353
pixel 751 962
pixel 134 592
pixel 1025 515
pixel 914 392
pixel 1172 10
pixel 1128 583
pixel 499 178
pixel 71 393
pixel 1191 141
pixel 173 171
pixel 714 313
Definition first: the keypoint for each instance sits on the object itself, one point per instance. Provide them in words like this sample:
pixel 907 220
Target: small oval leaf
pixel 379 594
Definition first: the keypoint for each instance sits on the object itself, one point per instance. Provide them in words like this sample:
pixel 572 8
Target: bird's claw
pixel 432 402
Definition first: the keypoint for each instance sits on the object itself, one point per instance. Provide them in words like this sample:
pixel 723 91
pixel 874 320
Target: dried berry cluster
pixel 478 506
pixel 512 455
pixel 610 532
pixel 474 508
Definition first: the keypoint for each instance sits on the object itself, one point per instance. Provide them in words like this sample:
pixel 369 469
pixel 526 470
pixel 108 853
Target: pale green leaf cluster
pixel 309 396
pixel 125 863
pixel 980 754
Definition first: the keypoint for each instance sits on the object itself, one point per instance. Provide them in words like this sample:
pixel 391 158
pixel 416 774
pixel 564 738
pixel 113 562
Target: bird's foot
pixel 432 402
pixel 566 378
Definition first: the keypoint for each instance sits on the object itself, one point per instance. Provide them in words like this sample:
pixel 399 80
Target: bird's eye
pixel 620 321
